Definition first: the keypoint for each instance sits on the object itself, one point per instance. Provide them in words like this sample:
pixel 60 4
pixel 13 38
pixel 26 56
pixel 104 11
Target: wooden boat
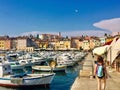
pixel 48 68
pixel 8 79
pixel 52 66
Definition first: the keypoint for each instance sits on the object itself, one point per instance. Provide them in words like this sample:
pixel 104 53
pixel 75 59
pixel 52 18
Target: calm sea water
pixel 61 81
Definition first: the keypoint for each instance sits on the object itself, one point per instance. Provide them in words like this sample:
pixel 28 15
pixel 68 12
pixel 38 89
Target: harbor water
pixel 61 81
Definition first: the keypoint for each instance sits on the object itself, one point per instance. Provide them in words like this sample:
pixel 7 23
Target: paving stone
pixel 85 83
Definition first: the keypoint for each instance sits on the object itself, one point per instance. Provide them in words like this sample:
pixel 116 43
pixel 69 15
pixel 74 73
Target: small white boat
pixel 65 60
pixel 26 62
pixel 49 67
pixel 7 79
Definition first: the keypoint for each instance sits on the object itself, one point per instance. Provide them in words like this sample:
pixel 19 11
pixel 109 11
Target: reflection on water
pixel 61 81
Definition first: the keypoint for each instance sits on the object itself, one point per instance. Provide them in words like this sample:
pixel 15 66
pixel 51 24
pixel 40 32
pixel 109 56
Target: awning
pixel 100 50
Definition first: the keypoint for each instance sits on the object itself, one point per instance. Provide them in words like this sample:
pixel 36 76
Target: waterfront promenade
pixel 84 82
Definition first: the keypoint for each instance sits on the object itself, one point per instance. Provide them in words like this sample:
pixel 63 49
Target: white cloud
pixel 72 33
pixel 112 25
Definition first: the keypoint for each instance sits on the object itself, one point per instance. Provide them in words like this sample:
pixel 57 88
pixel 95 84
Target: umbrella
pixel 100 50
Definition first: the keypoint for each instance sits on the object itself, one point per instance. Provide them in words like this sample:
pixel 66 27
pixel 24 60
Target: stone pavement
pixel 87 83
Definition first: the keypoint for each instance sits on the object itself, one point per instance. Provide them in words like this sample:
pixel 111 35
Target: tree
pixel 105 35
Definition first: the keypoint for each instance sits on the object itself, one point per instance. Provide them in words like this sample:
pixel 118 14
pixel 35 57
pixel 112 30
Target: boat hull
pixel 38 81
pixel 23 86
pixel 48 68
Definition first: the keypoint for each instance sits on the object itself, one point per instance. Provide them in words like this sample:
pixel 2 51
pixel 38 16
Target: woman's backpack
pixel 100 71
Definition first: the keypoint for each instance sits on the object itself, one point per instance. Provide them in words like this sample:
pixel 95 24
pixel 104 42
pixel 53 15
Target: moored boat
pixel 52 66
pixel 48 68
pixel 8 79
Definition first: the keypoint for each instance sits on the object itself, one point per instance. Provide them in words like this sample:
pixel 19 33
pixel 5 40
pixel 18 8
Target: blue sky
pixel 71 17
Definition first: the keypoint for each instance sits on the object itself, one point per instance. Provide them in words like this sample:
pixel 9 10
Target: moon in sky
pixel 76 10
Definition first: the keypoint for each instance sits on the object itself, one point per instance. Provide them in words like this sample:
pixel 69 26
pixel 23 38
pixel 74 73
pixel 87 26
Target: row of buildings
pixel 51 42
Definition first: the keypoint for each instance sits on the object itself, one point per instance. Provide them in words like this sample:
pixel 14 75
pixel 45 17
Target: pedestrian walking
pixel 100 73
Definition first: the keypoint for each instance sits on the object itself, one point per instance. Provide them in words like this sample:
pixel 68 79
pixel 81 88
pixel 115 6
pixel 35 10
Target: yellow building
pixel 43 44
pixel 2 44
pixel 5 44
pixel 86 45
pixel 63 45
pixel 92 44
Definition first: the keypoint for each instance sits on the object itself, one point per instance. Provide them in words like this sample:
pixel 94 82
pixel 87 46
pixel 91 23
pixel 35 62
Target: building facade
pixel 25 44
pixel 48 37
pixel 5 44
pixel 63 45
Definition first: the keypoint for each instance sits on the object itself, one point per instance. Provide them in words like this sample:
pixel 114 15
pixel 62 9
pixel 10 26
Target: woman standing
pixel 101 73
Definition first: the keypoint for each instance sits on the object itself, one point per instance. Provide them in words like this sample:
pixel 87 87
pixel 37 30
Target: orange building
pixel 5 43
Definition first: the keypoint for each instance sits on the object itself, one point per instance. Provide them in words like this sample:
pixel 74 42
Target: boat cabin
pixel 5 69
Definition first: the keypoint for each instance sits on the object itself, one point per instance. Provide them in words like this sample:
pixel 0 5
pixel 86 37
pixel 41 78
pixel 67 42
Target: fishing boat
pixel 9 79
pixel 49 67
